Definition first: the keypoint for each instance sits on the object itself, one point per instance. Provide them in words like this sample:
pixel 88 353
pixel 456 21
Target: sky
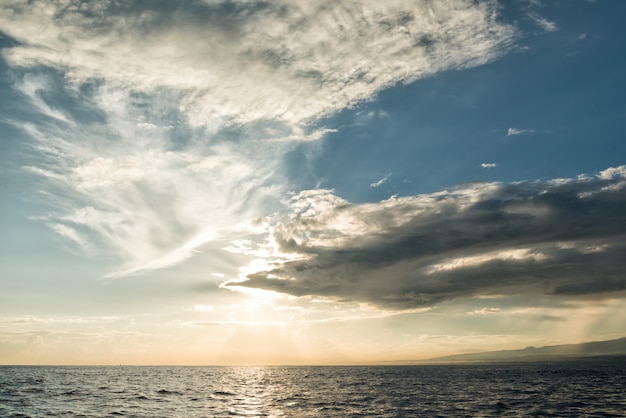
pixel 309 182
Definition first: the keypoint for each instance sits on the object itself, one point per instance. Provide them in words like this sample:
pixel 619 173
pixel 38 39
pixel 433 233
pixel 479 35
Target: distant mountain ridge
pixel 595 348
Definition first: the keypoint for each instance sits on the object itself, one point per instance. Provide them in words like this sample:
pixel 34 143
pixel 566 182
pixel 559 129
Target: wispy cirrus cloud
pixel 381 181
pixel 534 15
pixel 545 24
pixel 181 112
pixel 562 237
pixel 144 193
pixel 516 131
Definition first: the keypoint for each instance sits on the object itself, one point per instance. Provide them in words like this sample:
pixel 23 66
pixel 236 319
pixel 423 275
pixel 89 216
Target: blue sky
pixel 213 182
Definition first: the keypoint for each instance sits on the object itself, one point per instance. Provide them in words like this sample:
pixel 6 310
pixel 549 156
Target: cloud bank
pixel 160 126
pixel 561 237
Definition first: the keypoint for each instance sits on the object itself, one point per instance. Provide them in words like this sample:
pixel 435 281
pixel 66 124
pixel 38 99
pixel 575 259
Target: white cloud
pixel 463 262
pixel 381 181
pixel 283 60
pixel 488 165
pixel 192 106
pixel 613 173
pixel 70 234
pixel 544 23
pixel 126 188
pixel 486 311
pixel 32 86
pixel 515 131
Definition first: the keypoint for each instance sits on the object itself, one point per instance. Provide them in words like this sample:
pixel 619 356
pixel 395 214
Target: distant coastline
pixel 609 350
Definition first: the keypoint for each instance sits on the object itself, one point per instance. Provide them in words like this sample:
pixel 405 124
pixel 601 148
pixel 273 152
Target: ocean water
pixel 566 388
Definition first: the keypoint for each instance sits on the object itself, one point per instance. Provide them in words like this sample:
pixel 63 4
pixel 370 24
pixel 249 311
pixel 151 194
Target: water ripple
pixel 573 388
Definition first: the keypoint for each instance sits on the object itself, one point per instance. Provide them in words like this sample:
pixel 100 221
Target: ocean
pixel 549 388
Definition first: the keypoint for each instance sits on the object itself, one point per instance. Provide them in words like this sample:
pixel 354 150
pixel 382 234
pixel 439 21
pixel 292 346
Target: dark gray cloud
pixel 561 237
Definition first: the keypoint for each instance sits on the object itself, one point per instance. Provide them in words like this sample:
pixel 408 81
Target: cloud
pixel 515 131
pixel 486 311
pixel 563 237
pixel 247 61
pixel 175 115
pixel 545 24
pixel 488 165
pixel 34 320
pixel 33 85
pixel 70 234
pixel 143 193
pixel 381 181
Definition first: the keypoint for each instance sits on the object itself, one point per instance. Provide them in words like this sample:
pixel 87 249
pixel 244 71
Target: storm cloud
pixel 560 237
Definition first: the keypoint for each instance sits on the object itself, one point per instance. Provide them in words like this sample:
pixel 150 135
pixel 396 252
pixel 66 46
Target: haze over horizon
pixel 289 182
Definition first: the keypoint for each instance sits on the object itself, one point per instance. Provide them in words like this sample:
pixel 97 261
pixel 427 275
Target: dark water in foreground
pixel 567 388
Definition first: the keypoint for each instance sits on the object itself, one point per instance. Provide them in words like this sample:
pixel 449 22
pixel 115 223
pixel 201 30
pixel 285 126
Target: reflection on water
pixel 551 388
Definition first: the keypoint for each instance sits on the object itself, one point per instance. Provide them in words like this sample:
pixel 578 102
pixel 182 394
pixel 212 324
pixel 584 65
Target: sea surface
pixel 564 388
